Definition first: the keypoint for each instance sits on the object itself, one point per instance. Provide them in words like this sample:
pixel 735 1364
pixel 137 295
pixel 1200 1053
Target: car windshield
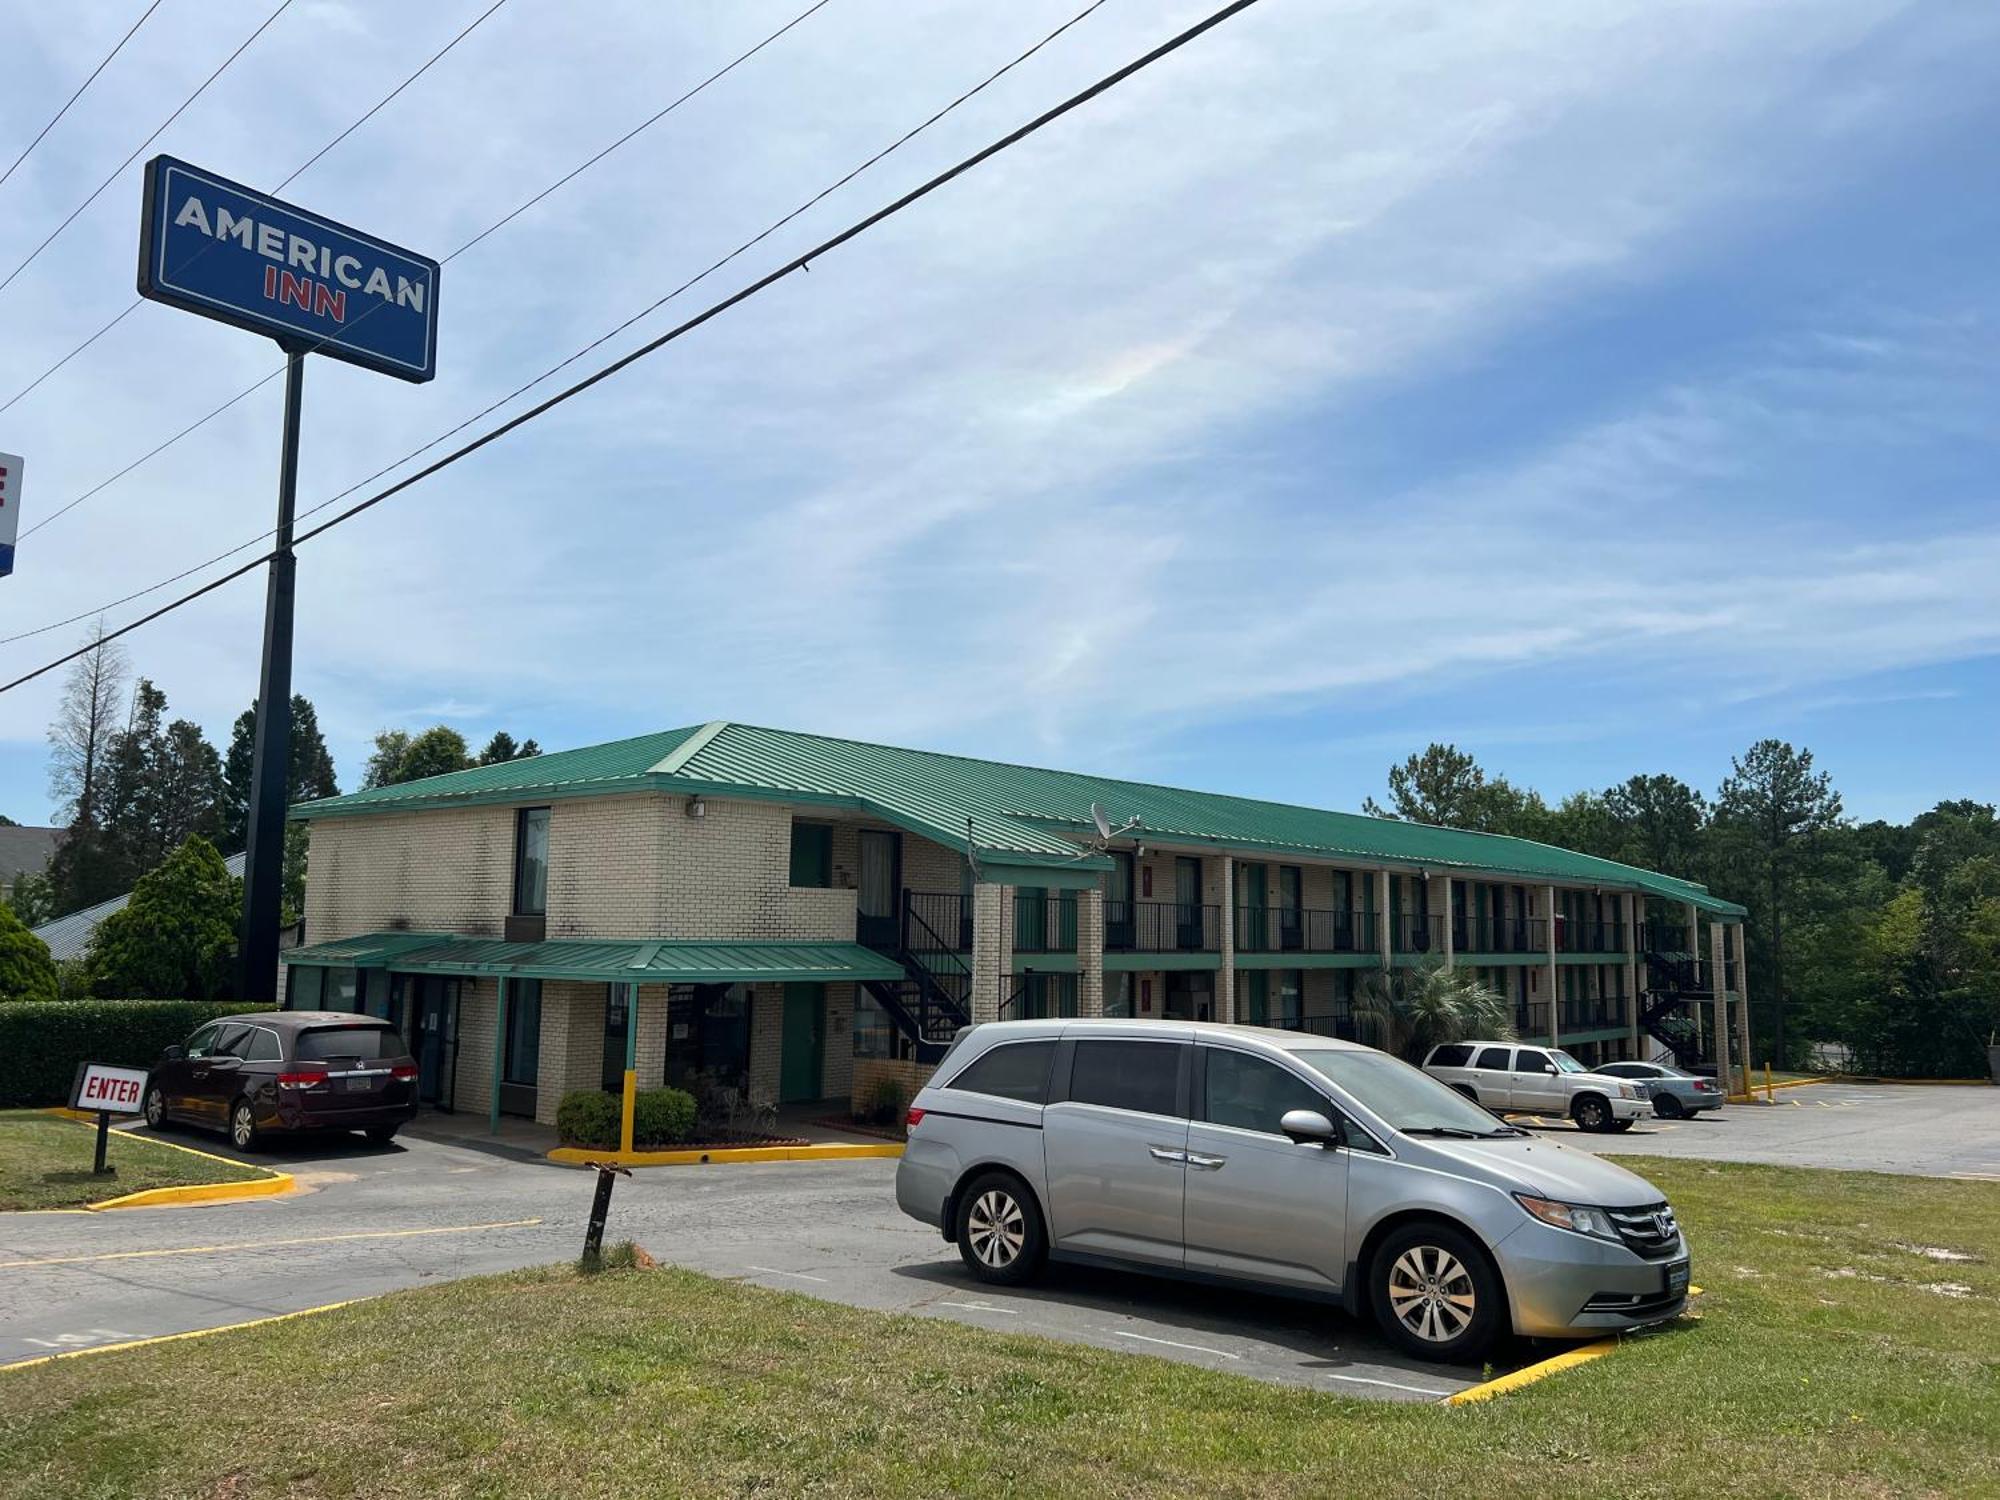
pixel 368 1043
pixel 1566 1064
pixel 1400 1095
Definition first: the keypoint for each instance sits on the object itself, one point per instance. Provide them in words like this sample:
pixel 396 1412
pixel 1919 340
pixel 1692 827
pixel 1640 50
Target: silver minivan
pixel 1287 1161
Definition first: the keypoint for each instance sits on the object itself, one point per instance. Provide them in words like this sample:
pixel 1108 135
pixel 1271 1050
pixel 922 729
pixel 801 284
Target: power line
pixel 494 406
pixel 103 63
pixel 243 46
pixel 298 172
pixel 719 73
pixel 653 346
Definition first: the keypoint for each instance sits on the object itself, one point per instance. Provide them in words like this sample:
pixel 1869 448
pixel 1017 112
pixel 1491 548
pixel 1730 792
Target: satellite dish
pixel 1103 823
pixel 971 851
pixel 1089 846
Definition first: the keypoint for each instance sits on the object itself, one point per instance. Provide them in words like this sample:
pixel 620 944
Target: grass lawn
pixel 1832 1358
pixel 45 1162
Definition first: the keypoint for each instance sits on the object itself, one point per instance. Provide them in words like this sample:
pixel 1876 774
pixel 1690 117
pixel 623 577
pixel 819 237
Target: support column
pixel 1742 1003
pixel 1719 1001
pixel 1225 985
pixel 499 1053
pixel 992 950
pixel 1090 953
pixel 1549 939
pixel 1383 920
pixel 1440 903
pixel 630 1104
pixel 1632 970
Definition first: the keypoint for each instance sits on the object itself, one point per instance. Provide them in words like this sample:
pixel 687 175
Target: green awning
pixel 624 961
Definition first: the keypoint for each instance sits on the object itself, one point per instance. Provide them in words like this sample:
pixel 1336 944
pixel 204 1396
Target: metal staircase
pixel 932 1000
pixel 1677 981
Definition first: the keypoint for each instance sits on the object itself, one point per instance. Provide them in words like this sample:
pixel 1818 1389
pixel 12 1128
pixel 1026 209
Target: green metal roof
pixel 1019 815
pixel 627 961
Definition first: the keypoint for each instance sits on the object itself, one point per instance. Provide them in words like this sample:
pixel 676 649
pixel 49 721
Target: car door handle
pixel 1168 1153
pixel 1205 1163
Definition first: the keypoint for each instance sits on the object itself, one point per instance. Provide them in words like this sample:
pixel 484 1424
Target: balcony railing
pixel 1592 1014
pixel 1531 1021
pixel 937 921
pixel 1590 936
pixel 1044 924
pixel 1293 929
pixel 1161 927
pixel 1666 937
pixel 1500 935
pixel 1412 932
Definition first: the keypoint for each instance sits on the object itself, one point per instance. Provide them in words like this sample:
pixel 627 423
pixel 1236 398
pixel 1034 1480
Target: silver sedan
pixel 1675 1092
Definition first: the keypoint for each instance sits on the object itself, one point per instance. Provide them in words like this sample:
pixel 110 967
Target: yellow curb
pixel 273 1184
pixel 720 1155
pixel 1555 1364
pixel 174 1338
pixel 1933 1083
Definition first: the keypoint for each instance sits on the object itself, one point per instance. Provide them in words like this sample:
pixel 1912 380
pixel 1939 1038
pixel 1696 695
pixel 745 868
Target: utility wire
pixel 494 406
pixel 242 47
pixel 134 305
pixel 653 346
pixel 202 421
pixel 28 150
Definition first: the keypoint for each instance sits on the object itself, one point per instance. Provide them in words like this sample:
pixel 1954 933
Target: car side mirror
pixel 1550 1069
pixel 1309 1127
pixel 174 1054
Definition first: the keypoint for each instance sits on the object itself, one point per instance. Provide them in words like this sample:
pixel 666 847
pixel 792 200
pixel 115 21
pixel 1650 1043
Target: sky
pixel 1600 386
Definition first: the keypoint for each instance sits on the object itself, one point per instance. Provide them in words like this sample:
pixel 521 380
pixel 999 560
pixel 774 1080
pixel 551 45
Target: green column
pixel 499 1054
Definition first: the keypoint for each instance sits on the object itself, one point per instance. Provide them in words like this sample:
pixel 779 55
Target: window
pixel 524 1032
pixel 1289 1007
pixel 1528 1060
pixel 1014 1070
pixel 303 987
pixel 874 1033
pixel 1495 1058
pixel 263 1046
pixel 1456 1055
pixel 531 862
pixel 1143 1076
pixel 1118 994
pixel 203 1041
pixel 365 1043
pixel 233 1041
pixel 812 854
pixel 342 990
pixel 1251 1093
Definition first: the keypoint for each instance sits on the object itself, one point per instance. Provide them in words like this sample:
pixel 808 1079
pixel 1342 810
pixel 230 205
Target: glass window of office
pixel 812 854
pixel 531 862
pixel 523 1059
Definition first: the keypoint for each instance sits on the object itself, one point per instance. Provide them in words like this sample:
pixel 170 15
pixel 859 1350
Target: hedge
pixel 660 1117
pixel 42 1041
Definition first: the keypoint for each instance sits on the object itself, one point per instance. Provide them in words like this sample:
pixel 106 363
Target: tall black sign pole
pixel 271 755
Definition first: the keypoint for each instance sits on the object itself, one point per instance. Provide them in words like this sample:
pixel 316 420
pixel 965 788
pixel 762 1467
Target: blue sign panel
pixel 215 247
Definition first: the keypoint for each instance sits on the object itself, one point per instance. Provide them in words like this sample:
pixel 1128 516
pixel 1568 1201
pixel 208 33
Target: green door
pixel 801 1064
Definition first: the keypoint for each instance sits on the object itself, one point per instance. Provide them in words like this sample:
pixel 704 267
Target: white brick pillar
pixel 651 1064
pixel 1737 930
pixel 1632 909
pixel 1719 1003
pixel 1440 903
pixel 1383 920
pixel 1555 994
pixel 992 948
pixel 1090 952
pixel 1225 986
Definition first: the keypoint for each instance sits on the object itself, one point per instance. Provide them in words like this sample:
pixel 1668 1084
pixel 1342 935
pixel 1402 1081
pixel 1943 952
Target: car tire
pixel 1623 1125
pixel 381 1135
pixel 1000 1233
pixel 155 1107
pixel 1667 1107
pixel 1435 1293
pixel 243 1132
pixel 1592 1112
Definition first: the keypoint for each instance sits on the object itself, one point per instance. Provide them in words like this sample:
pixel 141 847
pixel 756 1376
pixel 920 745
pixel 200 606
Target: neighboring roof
pixel 25 851
pixel 1016 815
pixel 649 961
pixel 69 936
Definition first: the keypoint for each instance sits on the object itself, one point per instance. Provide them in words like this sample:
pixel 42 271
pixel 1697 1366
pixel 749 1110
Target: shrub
pixel 886 1103
pixel 662 1117
pixel 177 935
pixel 26 970
pixel 588 1117
pixel 41 1042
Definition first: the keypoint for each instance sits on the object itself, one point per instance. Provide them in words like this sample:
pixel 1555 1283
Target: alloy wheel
pixel 156 1108
pixel 996 1228
pixel 1431 1293
pixel 242 1127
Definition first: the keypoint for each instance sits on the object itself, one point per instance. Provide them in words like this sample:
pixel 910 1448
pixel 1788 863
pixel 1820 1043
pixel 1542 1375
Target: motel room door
pixel 880 882
pixel 802 1062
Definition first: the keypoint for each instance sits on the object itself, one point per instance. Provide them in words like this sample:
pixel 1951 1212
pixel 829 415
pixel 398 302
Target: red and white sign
pixel 116 1091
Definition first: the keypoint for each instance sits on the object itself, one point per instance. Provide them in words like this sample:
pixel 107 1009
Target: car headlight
pixel 1627 1091
pixel 1575 1217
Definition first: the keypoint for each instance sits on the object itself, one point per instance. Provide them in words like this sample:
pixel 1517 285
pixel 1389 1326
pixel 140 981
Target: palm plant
pixel 1409 1011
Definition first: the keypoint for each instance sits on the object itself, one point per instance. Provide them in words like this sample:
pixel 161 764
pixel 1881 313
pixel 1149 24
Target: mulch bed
pixel 861 1127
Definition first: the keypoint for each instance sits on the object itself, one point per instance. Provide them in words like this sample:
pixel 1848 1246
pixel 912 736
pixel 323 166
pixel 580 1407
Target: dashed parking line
pixel 1393 1385
pixel 795 1275
pixel 985 1307
pixel 1147 1338
pixel 318 1239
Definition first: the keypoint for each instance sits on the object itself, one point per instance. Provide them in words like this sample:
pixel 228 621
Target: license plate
pixel 356 1083
pixel 1677 1278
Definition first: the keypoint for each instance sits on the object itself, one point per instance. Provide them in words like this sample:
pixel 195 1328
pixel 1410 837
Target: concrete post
pixel 1719 1000
pixel 1383 920
pixel 1090 953
pixel 992 955
pixel 1632 971
pixel 1742 1002
pixel 1440 892
pixel 1225 985
pixel 1549 939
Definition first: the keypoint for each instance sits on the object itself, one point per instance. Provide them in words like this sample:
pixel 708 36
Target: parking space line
pixel 795 1275
pixel 1005 1312
pixel 1146 1338
pixel 317 1239
pixel 1394 1385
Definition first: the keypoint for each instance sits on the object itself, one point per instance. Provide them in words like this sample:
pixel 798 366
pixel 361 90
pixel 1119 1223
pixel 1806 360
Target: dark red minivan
pixel 280 1070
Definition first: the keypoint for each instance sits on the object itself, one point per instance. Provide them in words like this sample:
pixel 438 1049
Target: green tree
pixel 164 784
pixel 176 938
pixel 1409 1011
pixel 1662 824
pixel 33 898
pixel 502 748
pixel 391 745
pixel 1776 812
pixel 26 970
pixel 433 753
pixel 1445 786
pixel 308 776
pixel 84 870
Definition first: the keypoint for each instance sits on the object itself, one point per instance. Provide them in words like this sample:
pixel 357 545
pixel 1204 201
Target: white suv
pixel 1511 1079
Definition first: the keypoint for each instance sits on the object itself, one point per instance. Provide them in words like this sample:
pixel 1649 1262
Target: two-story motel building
pixel 799 915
